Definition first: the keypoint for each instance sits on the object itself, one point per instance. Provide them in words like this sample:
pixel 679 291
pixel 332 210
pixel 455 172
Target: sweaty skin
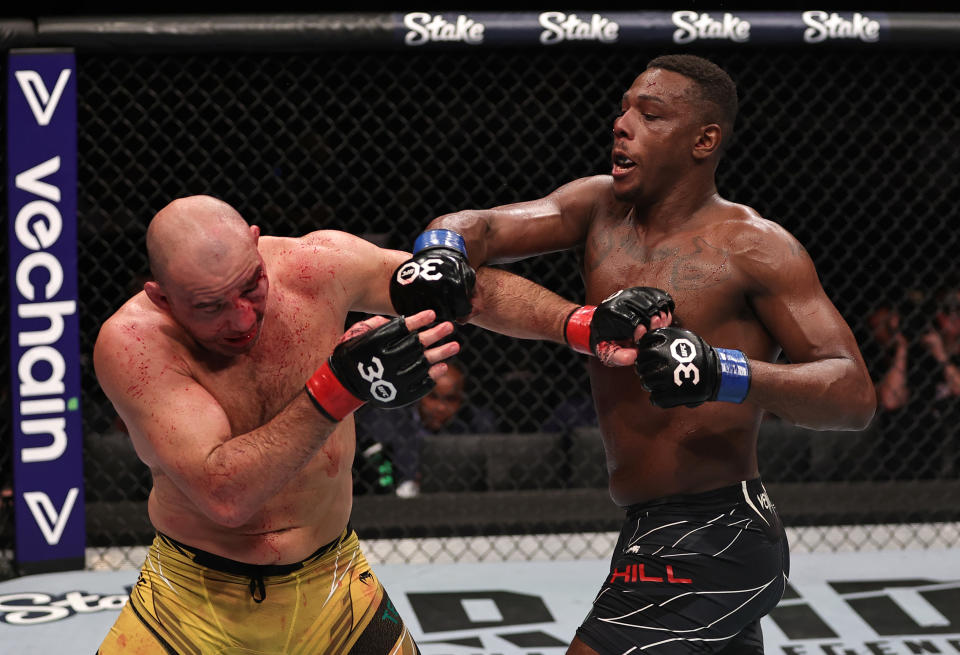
pixel 183 403
pixel 738 280
pixel 706 267
pixel 207 367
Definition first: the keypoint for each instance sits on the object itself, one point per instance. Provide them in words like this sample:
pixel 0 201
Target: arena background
pixel 851 147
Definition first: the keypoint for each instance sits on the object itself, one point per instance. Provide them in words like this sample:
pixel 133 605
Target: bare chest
pixel 694 267
pixel 254 388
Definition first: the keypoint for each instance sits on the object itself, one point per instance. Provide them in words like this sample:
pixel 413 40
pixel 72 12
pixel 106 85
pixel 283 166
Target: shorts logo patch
pixel 637 573
pixel 764 500
pixel 390 614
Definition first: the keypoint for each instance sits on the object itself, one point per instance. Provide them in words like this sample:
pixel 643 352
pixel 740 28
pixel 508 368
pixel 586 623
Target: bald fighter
pixel 702 555
pixel 233 374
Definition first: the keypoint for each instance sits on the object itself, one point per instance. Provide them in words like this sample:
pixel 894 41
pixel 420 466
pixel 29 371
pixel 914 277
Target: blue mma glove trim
pixel 441 238
pixel 734 375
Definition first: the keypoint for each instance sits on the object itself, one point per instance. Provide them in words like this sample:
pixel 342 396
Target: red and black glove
pixel 616 318
pixel 385 366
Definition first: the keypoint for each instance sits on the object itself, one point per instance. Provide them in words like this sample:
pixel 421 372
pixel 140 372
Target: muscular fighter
pixel 233 374
pixel 702 555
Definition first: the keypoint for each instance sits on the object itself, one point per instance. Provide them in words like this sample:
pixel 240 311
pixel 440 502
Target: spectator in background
pixel 947 328
pixel 886 354
pixel 917 382
pixel 943 343
pixel 397 436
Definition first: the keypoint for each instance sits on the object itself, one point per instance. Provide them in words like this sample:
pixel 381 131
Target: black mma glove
pixel 437 277
pixel 385 366
pixel 616 318
pixel 679 368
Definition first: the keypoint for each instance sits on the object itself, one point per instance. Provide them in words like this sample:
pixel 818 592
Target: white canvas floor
pixel 879 603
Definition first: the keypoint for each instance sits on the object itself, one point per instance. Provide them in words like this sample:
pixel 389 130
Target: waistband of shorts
pixel 226 565
pixel 730 494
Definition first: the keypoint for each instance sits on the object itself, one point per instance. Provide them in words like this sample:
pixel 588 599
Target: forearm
pixel 377 360
pixel 244 472
pixel 514 306
pixel 829 394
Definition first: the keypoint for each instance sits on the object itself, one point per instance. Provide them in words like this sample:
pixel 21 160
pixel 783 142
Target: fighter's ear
pixel 255 232
pixel 156 295
pixel 708 141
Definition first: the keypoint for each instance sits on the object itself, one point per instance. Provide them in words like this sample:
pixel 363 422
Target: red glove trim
pixel 577 329
pixel 331 397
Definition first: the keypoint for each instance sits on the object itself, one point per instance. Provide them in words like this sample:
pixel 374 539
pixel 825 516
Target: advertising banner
pixel 44 325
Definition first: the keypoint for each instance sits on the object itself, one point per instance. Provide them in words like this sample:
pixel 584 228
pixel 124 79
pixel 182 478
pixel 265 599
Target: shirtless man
pixel 702 556
pixel 252 487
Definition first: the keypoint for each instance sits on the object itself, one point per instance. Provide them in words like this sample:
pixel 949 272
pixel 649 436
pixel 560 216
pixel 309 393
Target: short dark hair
pixel 716 88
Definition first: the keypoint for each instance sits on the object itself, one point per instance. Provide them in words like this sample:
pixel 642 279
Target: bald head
pixel 192 231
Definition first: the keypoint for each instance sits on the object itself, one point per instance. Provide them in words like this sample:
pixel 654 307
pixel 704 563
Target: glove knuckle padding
pixel 385 366
pixel 619 315
pixel 440 279
pixel 405 348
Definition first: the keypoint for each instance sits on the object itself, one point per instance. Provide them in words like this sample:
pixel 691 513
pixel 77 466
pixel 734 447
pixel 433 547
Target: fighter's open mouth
pixel 243 337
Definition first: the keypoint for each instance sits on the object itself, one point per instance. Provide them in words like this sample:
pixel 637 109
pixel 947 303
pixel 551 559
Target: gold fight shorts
pixel 190 602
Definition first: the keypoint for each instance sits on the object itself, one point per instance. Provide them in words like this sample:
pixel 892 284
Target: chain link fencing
pixel 853 151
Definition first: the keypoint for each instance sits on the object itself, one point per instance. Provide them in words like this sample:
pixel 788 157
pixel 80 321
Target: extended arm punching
pixel 439 277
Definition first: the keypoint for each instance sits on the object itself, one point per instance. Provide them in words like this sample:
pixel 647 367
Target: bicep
pixel 792 305
pixel 370 269
pixel 511 232
pixel 174 422
pixel 530 228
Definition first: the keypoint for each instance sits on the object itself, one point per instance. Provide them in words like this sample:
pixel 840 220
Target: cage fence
pixel 850 150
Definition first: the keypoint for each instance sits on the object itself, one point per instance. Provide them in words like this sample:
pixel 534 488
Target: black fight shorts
pixel 692 574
